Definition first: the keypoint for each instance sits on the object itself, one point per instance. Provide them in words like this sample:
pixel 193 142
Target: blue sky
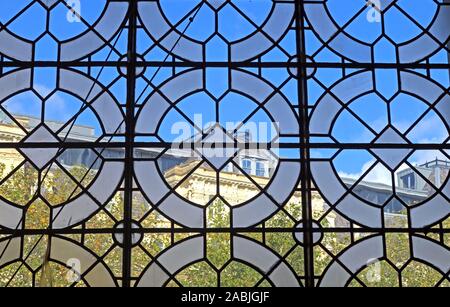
pixel 402 110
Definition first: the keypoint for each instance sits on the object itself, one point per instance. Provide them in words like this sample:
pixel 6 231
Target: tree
pixel 217 269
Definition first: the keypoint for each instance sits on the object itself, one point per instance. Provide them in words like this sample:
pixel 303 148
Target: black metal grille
pixel 96 191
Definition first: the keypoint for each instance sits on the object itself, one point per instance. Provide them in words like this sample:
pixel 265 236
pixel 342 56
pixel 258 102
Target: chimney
pixel 437 176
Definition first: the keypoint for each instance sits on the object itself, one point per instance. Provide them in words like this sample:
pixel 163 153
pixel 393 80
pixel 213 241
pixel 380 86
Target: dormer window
pixel 247 166
pixel 260 169
pixel 409 181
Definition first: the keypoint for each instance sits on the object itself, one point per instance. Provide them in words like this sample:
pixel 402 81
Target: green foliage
pixel 218 269
pixel 21 186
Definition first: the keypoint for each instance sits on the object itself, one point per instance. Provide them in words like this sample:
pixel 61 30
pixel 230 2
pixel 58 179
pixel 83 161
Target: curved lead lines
pixel 95 96
pixel 11 249
pixel 14 82
pixel 422 46
pixel 11 83
pixel 10 216
pixel 85 88
pixel 265 260
pixel 282 185
pixel 351 261
pixel 107 26
pixel 173 206
pixel 335 192
pixel 356 257
pixel 158 104
pixel 259 209
pixel 426 250
pixel 273 29
pixel 86 204
pixel 333 189
pixel 171 261
pixel 91 270
pixel 275 104
pixel 190 215
pixel 110 117
pixel 192 250
pixel 76 48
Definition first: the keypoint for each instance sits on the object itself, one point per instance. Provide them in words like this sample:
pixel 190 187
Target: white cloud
pixel 423 156
pixel 42 90
pixel 379 173
pixel 429 130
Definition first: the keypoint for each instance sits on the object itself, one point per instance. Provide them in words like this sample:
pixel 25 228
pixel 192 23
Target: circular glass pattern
pixel 239 30
pixel 58 29
pixel 317 235
pixel 293 71
pixel 190 251
pixel 391 30
pixel 371 250
pixel 92 177
pixel 217 157
pixel 390 119
pixel 90 270
pixel 136 237
pixel 123 70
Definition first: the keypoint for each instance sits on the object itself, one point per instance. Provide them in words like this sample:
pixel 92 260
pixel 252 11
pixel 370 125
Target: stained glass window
pixel 271 143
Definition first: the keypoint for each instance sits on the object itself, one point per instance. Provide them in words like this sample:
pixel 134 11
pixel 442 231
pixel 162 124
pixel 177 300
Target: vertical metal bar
pixel 304 148
pixel 129 143
pixel 448 44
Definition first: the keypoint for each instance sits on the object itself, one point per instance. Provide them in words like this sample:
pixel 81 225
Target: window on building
pixel 260 169
pixel 247 166
pixel 409 181
pixel 125 81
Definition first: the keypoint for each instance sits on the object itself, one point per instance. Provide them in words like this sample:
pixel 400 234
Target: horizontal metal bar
pixel 272 64
pixel 174 145
pixel 20 232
